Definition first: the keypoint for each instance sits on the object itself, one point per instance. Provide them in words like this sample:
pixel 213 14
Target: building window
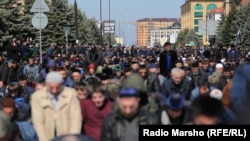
pixel 200 36
pixel 198 14
pixel 196 21
pixel 211 7
pixel 196 29
pixel 198 7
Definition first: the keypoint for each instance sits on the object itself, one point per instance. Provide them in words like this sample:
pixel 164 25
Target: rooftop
pixel 159 20
pixel 187 1
pixel 176 25
pixel 217 10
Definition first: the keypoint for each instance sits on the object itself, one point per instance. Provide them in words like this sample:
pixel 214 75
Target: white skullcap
pixel 54 77
pixel 219 65
pixel 217 94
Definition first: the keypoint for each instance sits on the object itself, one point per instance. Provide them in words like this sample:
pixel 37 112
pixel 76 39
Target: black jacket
pixel 195 79
pixel 116 127
pixel 13 53
pixel 163 62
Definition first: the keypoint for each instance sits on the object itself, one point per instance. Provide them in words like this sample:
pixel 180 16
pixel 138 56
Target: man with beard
pixel 94 111
pixel 123 124
pixel 93 57
pixel 225 78
pixel 196 74
pixel 155 80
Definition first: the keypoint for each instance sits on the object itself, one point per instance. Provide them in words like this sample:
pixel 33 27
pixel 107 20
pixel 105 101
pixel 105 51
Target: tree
pixel 182 35
pixel 191 36
pixel 220 36
pixel 232 17
pixel 11 20
pixel 244 24
pixel 57 17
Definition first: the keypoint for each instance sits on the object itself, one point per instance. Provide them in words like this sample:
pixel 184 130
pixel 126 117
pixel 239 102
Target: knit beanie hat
pixel 54 77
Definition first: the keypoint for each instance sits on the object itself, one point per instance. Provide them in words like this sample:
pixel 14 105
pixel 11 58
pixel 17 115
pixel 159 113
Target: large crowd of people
pixel 103 93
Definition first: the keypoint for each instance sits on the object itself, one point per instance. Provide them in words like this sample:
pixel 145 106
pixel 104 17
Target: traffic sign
pixel 39 6
pixel 39 21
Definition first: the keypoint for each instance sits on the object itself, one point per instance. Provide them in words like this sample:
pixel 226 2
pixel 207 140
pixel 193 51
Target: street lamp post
pixel 120 28
pixel 206 28
pixel 76 20
pixel 109 23
pixel 66 31
pixel 101 19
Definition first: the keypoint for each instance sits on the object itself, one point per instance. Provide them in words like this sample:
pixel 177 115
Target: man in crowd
pixel 123 124
pixel 4 126
pixel 196 74
pixel 178 83
pixel 55 102
pixel 167 60
pixel 94 111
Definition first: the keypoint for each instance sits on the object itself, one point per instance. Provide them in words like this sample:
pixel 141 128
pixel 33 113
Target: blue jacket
pixel 25 50
pixel 195 92
pixel 239 95
pixel 26 70
pixel 233 55
pixel 68 82
pixel 50 52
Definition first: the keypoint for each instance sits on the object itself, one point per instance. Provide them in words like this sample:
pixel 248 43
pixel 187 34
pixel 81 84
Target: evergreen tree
pixel 191 36
pixel 227 31
pixel 245 27
pixel 57 17
pixel 220 36
pixel 27 28
pixel 182 35
pixel 11 20
pixel 233 28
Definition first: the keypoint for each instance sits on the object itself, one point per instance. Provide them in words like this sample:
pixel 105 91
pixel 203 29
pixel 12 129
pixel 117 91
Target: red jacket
pixel 93 118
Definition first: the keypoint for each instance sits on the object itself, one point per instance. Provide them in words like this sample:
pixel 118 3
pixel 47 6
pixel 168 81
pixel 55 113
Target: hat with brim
pixel 175 102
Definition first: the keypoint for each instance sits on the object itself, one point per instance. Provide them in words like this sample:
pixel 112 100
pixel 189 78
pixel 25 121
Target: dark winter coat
pixel 169 87
pixel 13 53
pixel 163 62
pixel 117 128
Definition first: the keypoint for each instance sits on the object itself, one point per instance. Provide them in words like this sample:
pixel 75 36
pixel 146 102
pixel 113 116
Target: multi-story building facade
pixel 144 27
pixel 238 3
pixel 194 10
pixel 161 35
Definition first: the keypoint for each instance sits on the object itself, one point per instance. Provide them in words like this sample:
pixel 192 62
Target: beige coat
pixel 64 119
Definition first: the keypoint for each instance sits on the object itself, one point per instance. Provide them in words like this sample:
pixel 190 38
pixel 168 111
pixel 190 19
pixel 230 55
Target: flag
pixel 238 37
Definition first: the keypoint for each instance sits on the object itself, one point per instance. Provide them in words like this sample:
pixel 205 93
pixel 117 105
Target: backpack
pixel 27 131
pixel 23 110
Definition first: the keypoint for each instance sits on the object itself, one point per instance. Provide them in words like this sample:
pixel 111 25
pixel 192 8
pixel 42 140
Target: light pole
pixel 66 31
pixel 206 29
pixel 101 20
pixel 76 20
pixel 109 23
pixel 120 27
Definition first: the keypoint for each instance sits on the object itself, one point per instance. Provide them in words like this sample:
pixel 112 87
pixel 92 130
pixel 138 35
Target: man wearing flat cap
pixel 55 109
